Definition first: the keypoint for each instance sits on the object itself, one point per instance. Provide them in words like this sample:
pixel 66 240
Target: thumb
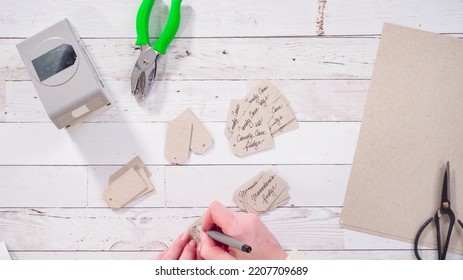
pixel 210 251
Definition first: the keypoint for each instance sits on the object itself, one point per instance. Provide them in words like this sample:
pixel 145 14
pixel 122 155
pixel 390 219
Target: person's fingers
pixel 217 214
pixel 210 251
pixel 159 257
pixel 174 251
pixel 189 252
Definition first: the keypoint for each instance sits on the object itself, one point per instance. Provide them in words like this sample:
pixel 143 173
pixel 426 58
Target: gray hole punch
pixel 63 74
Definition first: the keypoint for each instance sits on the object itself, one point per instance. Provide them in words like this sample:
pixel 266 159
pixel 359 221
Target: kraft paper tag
pixel 262 193
pixel 135 163
pixel 124 189
pixel 292 125
pixel 178 142
pixel 236 111
pixel 244 129
pixel 264 94
pixel 149 186
pixel 201 139
pixel 252 134
pixel 281 115
pixel 240 193
pixel 269 187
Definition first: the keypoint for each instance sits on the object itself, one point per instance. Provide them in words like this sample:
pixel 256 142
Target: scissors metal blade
pixel 445 200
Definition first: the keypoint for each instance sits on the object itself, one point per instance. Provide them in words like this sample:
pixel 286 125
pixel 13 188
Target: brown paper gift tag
pixel 201 139
pixel 264 94
pixel 240 193
pixel 124 189
pixel 281 115
pixel 292 125
pixel 235 112
pixel 178 140
pixel 135 163
pixel 269 187
pixel 149 185
pixel 252 135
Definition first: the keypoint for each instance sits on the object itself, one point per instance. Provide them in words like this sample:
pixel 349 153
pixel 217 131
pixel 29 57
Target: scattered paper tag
pixel 252 134
pixel 128 183
pixel 135 163
pixel 124 189
pixel 262 114
pixel 240 193
pixel 292 125
pixel 178 142
pixel 201 139
pixel 281 115
pixel 4 255
pixel 236 111
pixel 185 133
pixel 262 193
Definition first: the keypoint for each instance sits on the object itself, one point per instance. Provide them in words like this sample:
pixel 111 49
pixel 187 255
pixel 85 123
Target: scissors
pixel 144 71
pixel 444 209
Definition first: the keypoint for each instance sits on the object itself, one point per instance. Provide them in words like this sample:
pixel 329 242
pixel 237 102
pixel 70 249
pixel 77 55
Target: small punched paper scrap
pixel 127 184
pixel 262 193
pixel 254 121
pixel 185 133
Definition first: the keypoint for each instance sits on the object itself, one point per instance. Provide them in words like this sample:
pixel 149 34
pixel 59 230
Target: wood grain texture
pixel 103 143
pixel 311 100
pixel 239 18
pixel 131 229
pixel 220 59
pixel 51 181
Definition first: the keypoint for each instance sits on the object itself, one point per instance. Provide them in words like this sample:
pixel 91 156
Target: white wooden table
pixel 51 180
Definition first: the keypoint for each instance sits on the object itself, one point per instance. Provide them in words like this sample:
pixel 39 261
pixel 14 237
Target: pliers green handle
pixel 144 71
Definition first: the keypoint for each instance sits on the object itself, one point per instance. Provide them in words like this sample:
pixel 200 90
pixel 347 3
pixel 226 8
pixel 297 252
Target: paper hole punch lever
pixel 63 74
pixel 444 209
pixel 144 71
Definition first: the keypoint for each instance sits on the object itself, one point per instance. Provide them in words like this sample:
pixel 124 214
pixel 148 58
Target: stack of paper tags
pixel 185 133
pixel 262 193
pixel 253 121
pixel 128 183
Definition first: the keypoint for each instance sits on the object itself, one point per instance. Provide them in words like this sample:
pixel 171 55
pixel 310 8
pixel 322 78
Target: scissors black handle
pixel 441 250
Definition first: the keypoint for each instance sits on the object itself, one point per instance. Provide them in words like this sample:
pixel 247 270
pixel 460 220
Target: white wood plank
pixel 307 255
pixel 311 100
pixel 367 17
pixel 225 58
pixel 310 185
pixel 100 229
pixel 43 186
pixel 202 18
pixel 98 177
pixel 107 144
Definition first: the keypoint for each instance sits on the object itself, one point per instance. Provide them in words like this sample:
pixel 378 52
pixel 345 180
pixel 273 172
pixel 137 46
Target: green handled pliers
pixel 144 70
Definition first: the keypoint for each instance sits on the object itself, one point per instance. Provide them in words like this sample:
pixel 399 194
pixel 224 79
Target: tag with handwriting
pixel 252 134
pixel 262 193
pixel 281 115
pixel 236 111
pixel 240 193
pixel 269 187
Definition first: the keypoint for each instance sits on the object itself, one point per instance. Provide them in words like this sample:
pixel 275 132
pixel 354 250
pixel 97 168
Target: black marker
pixel 227 240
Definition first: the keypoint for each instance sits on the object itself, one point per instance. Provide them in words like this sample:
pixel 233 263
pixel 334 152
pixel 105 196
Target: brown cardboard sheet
pixel 412 125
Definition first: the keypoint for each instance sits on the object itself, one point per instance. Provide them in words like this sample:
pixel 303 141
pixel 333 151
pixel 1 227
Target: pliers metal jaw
pixel 144 72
